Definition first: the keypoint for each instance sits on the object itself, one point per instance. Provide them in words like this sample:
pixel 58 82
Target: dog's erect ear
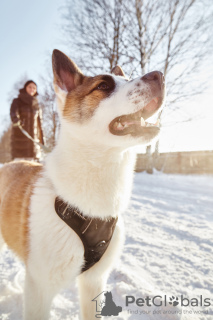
pixel 66 73
pixel 117 70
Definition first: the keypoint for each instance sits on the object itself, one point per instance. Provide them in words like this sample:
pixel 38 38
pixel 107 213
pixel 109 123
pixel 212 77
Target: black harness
pixel 95 233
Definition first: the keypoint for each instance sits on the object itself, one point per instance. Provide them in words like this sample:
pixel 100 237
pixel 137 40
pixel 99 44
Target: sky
pixel 29 31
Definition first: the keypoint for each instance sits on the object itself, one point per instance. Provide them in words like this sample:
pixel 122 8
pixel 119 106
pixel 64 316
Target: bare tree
pixel 94 33
pixel 173 36
pixel 19 84
pixel 141 35
pixel 50 115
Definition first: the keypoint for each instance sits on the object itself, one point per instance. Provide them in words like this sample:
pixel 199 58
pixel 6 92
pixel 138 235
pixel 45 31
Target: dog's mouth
pixel 134 123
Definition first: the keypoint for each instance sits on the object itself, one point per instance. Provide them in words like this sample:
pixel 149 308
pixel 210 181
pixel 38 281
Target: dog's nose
pixel 155 76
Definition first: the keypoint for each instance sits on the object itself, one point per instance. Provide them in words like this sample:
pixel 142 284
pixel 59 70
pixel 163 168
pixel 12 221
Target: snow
pixel 168 251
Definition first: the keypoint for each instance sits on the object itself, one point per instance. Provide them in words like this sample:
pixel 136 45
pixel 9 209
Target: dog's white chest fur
pixel 96 180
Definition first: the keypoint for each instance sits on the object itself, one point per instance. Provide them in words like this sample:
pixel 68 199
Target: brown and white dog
pixel 91 168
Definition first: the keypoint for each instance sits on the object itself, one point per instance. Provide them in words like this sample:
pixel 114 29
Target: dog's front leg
pixel 93 281
pixel 37 298
pixel 90 286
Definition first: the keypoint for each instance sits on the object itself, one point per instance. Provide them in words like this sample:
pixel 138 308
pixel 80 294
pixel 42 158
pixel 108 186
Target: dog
pixel 91 170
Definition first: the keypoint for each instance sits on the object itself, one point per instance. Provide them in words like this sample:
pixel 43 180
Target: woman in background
pixel 25 111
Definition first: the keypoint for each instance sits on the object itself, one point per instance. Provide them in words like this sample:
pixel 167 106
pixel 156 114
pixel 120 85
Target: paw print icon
pixel 173 301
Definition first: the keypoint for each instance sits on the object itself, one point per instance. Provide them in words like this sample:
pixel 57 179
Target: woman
pixel 25 111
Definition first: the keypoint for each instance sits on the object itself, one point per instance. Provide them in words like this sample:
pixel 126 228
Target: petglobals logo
pixel 105 306
pixel 174 301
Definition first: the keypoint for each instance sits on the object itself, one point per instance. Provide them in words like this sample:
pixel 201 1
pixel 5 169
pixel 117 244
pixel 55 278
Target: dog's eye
pixel 103 86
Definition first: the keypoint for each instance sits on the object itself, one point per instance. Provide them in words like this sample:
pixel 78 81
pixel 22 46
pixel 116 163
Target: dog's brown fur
pixel 84 100
pixel 17 179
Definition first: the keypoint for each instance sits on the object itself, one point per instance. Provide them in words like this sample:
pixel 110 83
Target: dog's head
pixel 108 108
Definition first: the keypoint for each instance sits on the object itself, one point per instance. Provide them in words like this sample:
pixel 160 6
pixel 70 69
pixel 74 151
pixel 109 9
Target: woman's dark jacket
pixel 25 109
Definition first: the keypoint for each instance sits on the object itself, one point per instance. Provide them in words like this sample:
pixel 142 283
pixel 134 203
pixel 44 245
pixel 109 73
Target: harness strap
pixel 94 233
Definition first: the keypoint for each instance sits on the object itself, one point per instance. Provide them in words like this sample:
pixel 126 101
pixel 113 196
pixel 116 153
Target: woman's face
pixel 31 89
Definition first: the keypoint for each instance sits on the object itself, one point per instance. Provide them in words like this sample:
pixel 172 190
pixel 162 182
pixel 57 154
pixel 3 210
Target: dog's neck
pixel 94 178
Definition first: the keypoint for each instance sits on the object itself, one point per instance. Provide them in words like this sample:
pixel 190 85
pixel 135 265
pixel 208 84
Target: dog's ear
pixel 117 70
pixel 67 76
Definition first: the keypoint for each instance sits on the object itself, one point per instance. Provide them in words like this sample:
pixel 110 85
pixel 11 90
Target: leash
pixel 44 148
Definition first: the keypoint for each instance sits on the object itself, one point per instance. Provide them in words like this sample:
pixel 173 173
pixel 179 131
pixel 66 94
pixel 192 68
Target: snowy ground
pixel 168 251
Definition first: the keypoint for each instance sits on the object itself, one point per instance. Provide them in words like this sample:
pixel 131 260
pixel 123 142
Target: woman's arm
pixel 14 111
